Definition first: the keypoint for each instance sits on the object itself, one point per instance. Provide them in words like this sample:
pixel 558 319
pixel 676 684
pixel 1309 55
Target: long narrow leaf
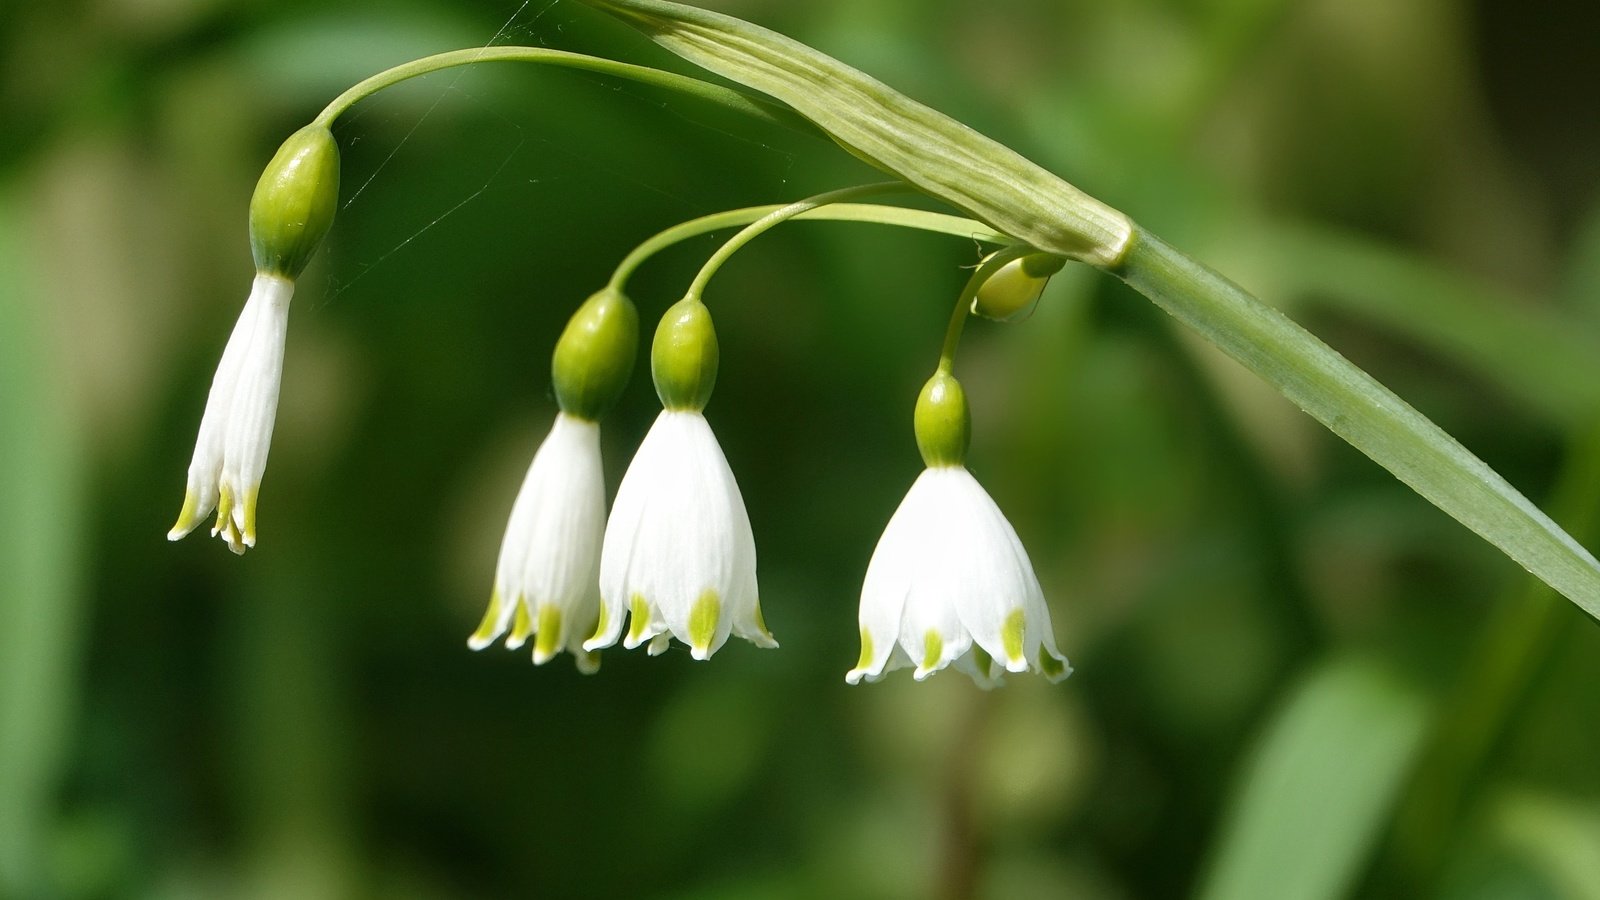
pixel 1365 413
pixel 39 600
pixel 1319 787
pixel 1532 352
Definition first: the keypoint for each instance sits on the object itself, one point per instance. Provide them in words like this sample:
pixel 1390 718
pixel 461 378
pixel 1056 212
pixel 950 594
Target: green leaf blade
pixel 40 569
pixel 1366 414
pixel 1318 787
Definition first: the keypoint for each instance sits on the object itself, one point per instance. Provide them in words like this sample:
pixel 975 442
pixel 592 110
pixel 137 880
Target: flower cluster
pixel 676 558
pixel 948 585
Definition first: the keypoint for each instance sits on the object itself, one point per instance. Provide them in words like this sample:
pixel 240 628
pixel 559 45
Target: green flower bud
pixel 683 359
pixel 294 202
pixel 1016 286
pixel 943 425
pixel 595 354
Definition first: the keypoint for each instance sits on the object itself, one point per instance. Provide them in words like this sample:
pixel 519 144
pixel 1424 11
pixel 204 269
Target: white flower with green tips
pixel 546 583
pixel 679 557
pixel 291 210
pixel 950 583
pixel 230 454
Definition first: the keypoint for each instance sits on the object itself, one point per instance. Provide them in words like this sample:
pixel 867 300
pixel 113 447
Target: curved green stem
pixel 898 216
pixel 726 97
pixel 777 217
pixel 958 316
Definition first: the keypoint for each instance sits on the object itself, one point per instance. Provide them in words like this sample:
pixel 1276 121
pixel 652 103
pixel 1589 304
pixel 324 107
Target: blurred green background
pixel 1295 678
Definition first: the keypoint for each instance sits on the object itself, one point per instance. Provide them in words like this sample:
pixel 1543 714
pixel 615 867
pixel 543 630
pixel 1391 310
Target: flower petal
pixel 253 407
pixel 890 576
pixel 205 468
pixel 997 581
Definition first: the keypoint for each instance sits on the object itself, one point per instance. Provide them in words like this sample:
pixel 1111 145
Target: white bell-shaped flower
pixel 546 584
pixel 950 582
pixel 290 212
pixel 679 558
pixel 230 454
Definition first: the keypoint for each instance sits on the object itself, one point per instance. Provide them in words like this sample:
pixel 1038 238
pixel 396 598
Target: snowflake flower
pixel 230 454
pixel 546 584
pixel 290 212
pixel 949 582
pixel 547 581
pixel 679 557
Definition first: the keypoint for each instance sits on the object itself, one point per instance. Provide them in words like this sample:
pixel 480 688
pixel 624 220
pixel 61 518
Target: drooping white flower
pixel 679 558
pixel 546 584
pixel 230 453
pixel 950 583
pixel 290 212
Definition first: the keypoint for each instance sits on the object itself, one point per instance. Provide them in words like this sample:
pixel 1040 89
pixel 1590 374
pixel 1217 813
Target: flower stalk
pixel 718 95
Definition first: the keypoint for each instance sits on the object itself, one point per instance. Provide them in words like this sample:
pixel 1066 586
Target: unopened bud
pixel 595 354
pixel 294 202
pixel 683 358
pixel 1017 285
pixel 942 422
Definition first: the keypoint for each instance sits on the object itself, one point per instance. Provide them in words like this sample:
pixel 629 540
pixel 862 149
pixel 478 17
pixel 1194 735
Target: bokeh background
pixel 1295 678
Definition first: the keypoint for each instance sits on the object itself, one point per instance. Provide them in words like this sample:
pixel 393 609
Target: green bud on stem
pixel 294 202
pixel 595 354
pixel 942 422
pixel 1016 286
pixel 683 358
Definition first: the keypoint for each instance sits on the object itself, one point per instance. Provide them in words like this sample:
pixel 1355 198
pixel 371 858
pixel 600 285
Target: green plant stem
pixel 958 316
pixel 694 87
pixel 779 216
pixel 1363 412
pixel 938 223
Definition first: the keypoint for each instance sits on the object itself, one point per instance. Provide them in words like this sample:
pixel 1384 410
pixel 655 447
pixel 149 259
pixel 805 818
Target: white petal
pixel 618 541
pixel 202 490
pixel 1050 662
pixel 495 621
pixel 254 406
pixel 931 632
pixel 741 605
pixel 984 673
pixel 890 576
pixel 561 570
pixel 996 579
